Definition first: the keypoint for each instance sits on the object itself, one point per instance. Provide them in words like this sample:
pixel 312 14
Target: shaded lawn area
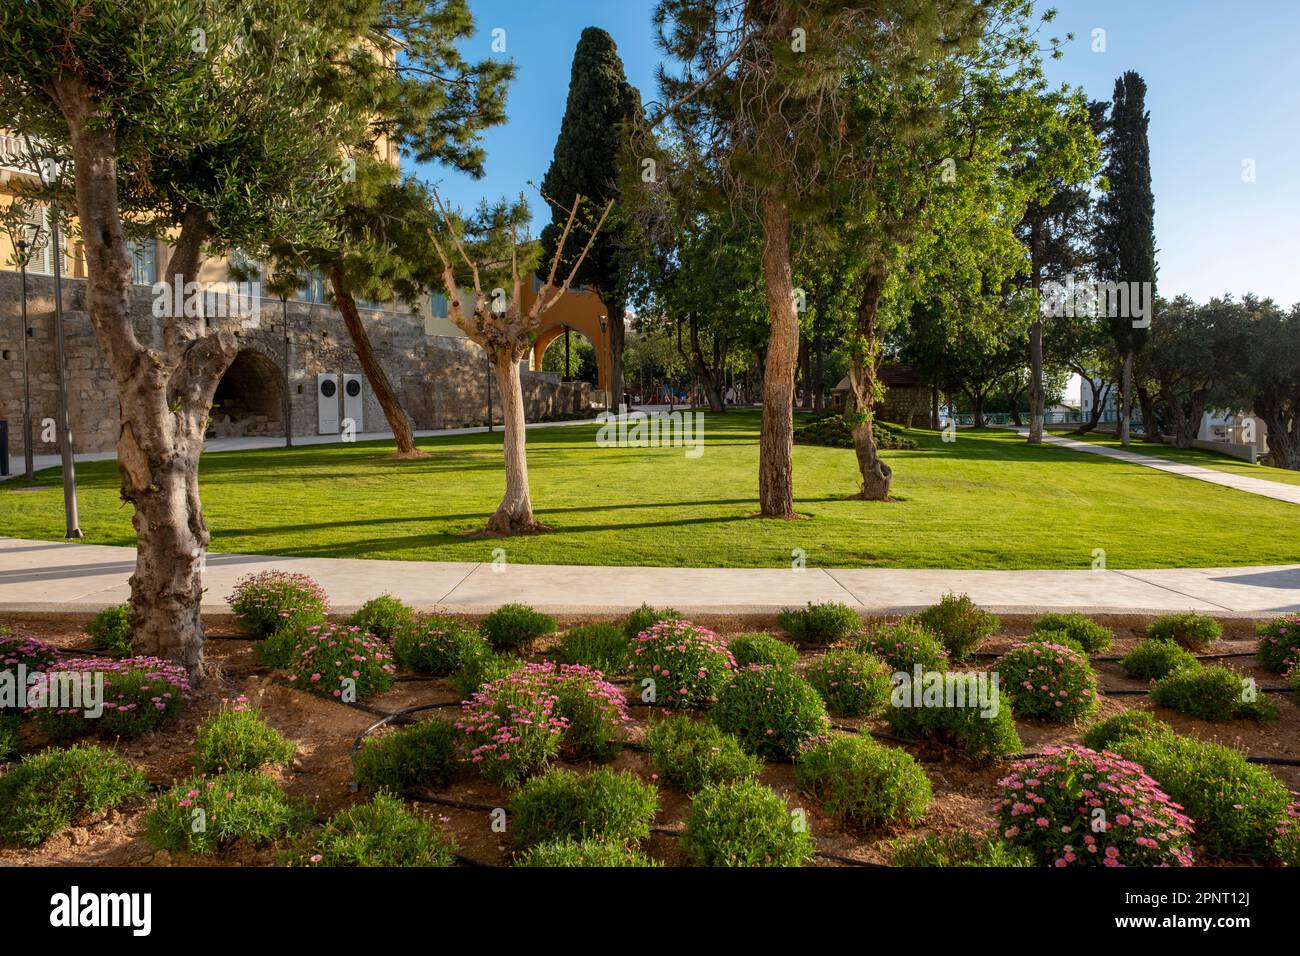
pixel 987 500
pixel 1190 456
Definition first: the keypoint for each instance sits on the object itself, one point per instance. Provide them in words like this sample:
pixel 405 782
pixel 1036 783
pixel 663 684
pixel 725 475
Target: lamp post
pixel 23 246
pixel 609 371
pixel 72 524
pixel 288 401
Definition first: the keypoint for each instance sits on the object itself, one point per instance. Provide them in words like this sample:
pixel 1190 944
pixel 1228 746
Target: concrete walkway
pixel 1255 486
pixel 57 576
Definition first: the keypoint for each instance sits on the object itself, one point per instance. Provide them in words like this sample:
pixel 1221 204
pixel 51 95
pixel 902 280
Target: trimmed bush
pixel 851 683
pixel 959 623
pixel 771 711
pixel 602 646
pixel 343 662
pixel 1105 734
pixel 514 625
pixel 109 631
pixel 383 832
pixel 762 648
pixel 384 616
pixel 422 755
pixel 140 693
pixel 203 814
pixel 1084 631
pixel 964 728
pixel 905 644
pixel 817 625
pixel 1212 693
pixel 1048 681
pixel 584 853
pixel 9 736
pixel 239 739
pixel 1151 660
pixel 688 665
pixel 439 645
pixel 478 671
pixel 1237 805
pixel 863 783
pixel 1075 807
pixel 1279 643
pixel 645 617
pixel 959 849
pixel 54 789
pixel 605 805
pixel 744 824
pixel 692 754
pixel 269 600
pixel 1193 631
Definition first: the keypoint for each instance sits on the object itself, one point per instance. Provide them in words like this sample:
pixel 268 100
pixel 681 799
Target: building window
pixel 144 261
pixel 312 288
pixel 42 261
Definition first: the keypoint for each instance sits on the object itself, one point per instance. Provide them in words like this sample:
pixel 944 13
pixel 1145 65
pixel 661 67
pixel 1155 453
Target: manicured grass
pixel 987 500
pixel 1190 456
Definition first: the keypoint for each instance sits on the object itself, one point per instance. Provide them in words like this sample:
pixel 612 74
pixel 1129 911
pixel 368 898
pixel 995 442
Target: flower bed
pixel 139 694
pixel 687 665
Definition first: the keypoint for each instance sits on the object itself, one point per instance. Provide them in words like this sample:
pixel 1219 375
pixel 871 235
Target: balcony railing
pixel 12 149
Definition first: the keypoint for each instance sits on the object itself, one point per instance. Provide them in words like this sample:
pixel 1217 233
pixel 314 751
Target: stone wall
pixel 906 405
pixel 441 381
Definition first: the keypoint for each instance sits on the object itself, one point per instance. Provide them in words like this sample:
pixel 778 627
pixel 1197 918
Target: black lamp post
pixel 23 246
pixel 72 524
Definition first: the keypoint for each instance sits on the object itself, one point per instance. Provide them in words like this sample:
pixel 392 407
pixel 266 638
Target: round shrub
pixel 267 600
pixel 602 646
pixel 593 709
pixel 1075 807
pixel 584 853
pixel 343 662
pixel 692 754
pixel 771 711
pixel 1286 844
pixel 439 645
pixel 140 693
pixel 614 807
pixel 1211 693
pixel 1151 660
pixel 56 788
pixel 1279 643
pixel 979 733
pixel 851 683
pixel 1055 637
pixel 819 624
pixel 960 624
pixel 514 625
pixel 1050 681
pixel 1193 631
pixel 422 755
pixel 201 814
pixel 1087 633
pixel 384 616
pixel 863 783
pixel 108 630
pixel 959 849
pixel 688 665
pixel 238 738
pixel 477 671
pixel 280 649
pixel 904 645
pixel 1105 734
pixel 761 648
pixel 744 824
pixel 644 617
pixel 382 832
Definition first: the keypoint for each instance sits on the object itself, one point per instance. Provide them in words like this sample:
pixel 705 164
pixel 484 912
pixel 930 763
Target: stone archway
pixel 249 400
pixel 583 312
pixel 583 364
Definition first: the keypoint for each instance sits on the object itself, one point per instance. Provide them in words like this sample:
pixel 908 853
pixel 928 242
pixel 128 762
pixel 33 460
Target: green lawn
pixel 988 500
pixel 1191 456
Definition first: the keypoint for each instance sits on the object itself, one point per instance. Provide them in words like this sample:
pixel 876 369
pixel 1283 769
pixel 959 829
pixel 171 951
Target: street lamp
pixel 609 373
pixel 25 247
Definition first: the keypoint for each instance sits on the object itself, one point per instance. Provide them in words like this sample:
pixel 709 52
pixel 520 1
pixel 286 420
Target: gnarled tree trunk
pixel 708 376
pixel 776 440
pixel 617 337
pixel 515 513
pixel 876 475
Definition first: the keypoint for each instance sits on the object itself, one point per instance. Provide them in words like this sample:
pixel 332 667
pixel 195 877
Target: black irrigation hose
pixel 1111 657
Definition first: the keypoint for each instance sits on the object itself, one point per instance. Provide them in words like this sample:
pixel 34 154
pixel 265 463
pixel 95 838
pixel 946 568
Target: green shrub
pixel 384 616
pixel 959 849
pixel 1059 638
pixel 645 617
pixel 744 824
pixel 514 625
pixel 606 805
pixel 109 631
pixel 140 694
pixel 1087 633
pixel 863 783
pixel 1193 631
pixel 905 644
pixel 602 646
pixel 439 645
pixel 1286 844
pixel 478 671
pixel 1105 734
pixel 964 728
pixel 382 832
pixel 851 683
pixel 1237 805
pixel 761 648
pixel 203 814
pixel 692 754
pixel 584 853
pixel 593 709
pixel 835 431
pixel 239 739
pixel 1279 643
pixel 687 665
pixel 52 790
pixel 1212 693
pixel 422 755
pixel 772 711
pixel 819 624
pixel 9 736
pixel 343 662
pixel 269 600
pixel 1151 660
pixel 280 648
pixel 959 623
pixel 1048 681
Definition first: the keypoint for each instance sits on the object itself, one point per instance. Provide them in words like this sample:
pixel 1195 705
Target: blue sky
pixel 1223 83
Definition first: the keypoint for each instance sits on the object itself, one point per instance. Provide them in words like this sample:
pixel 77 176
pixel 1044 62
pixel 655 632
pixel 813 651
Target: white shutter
pixel 43 261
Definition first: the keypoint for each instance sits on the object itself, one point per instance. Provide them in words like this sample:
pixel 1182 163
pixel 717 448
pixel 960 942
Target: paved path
pixel 45 576
pixel 1254 486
